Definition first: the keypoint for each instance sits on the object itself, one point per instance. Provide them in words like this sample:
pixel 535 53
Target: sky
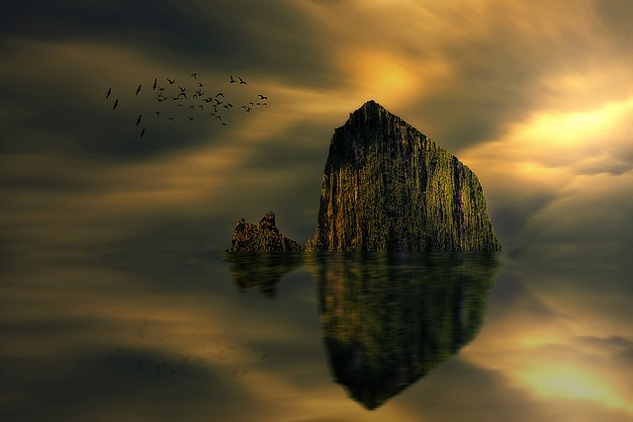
pixel 536 97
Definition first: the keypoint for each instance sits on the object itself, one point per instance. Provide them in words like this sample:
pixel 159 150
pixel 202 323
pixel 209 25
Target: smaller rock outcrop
pixel 262 237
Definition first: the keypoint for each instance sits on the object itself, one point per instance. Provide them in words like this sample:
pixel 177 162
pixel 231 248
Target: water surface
pixel 174 332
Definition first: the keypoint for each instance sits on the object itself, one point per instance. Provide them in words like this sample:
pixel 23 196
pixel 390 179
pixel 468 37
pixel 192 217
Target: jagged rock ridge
pixel 262 237
pixel 387 187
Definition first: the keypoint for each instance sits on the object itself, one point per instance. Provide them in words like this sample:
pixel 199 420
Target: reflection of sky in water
pixel 160 336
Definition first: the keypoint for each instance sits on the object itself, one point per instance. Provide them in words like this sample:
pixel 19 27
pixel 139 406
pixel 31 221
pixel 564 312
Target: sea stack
pixel 387 187
pixel 262 237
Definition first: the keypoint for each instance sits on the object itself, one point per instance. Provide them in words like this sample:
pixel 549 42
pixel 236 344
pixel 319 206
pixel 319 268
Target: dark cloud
pixel 611 342
pixel 237 36
pixel 616 18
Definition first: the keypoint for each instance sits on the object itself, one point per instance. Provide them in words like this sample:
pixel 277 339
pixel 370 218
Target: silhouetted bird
pixel 194 75
pixel 158 113
pixel 138 120
pixel 182 94
pixel 191 107
pixel 200 84
pixel 108 93
pixel 155 84
pixel 242 81
pixel 232 81
pixel 138 89
pixel 116 103
pixel 171 118
pixel 262 97
pixel 171 81
pixel 191 118
pixel 182 89
pixel 142 132
pixel 219 94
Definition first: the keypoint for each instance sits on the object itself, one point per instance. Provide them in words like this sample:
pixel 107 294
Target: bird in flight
pixel 155 84
pixel 138 120
pixel 242 81
pixel 182 89
pixel 116 103
pixel 232 81
pixel 142 132
pixel 171 81
pixel 219 94
pixel 138 89
pixel 262 97
pixel 108 93
pixel 194 75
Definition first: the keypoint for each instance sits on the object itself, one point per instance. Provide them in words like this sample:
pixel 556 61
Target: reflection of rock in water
pixel 261 269
pixel 388 319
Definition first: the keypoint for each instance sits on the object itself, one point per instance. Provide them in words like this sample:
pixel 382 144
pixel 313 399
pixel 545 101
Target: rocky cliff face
pixel 262 237
pixel 387 187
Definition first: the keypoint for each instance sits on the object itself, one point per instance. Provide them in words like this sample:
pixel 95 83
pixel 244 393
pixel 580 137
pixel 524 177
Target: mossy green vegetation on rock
pixel 387 187
pixel 262 237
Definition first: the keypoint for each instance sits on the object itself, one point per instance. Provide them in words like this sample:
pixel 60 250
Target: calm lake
pixel 176 333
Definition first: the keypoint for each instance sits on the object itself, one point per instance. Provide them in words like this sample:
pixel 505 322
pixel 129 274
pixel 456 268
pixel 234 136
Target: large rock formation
pixel 387 187
pixel 262 237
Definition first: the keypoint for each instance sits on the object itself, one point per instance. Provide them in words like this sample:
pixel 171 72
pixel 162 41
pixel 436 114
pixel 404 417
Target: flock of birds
pixel 192 97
